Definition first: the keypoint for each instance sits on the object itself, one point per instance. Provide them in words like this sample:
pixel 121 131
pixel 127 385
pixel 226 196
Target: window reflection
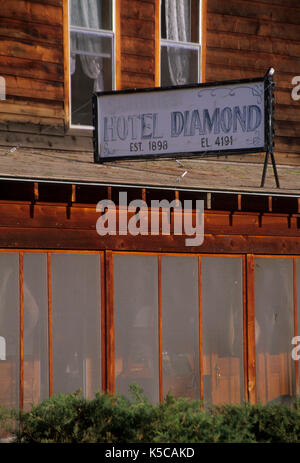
pixel 76 322
pixel 136 324
pixel 180 326
pixel 9 329
pixel 222 317
pixel 274 330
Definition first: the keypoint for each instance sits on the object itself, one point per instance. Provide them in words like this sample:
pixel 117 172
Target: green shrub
pixel 70 418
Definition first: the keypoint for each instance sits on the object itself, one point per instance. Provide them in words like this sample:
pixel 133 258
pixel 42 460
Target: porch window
pixel 180 42
pixel 222 317
pixel 274 329
pixel 91 55
pixel 76 323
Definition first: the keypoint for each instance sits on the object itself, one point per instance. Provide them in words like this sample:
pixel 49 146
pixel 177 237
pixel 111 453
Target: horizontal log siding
pixel 244 38
pixel 138 43
pixel 31 61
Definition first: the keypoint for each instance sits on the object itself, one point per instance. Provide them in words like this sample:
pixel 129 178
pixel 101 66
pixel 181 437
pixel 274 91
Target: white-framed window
pixel 180 43
pixel 92 62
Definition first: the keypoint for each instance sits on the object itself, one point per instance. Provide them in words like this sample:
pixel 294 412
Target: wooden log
pixel 31 51
pixel 251 60
pixel 136 28
pixel 49 109
pixel 249 25
pixel 137 10
pixel 249 9
pixel 31 12
pixel 38 33
pixel 27 87
pixel 142 64
pixel 137 46
pixel 35 69
pixel 31 124
pixel 246 42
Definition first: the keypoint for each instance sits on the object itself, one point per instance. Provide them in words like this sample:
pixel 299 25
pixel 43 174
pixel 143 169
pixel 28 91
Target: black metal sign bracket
pixel 269 122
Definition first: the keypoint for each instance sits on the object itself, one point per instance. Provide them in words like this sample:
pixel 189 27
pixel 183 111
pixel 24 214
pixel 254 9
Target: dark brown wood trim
pixel 66 63
pixel 252 395
pixel 160 359
pixel 110 328
pixel 118 35
pixel 157 44
pixel 200 327
pixel 296 320
pixel 103 322
pixel 245 347
pixel 21 289
pixel 203 39
pixel 50 339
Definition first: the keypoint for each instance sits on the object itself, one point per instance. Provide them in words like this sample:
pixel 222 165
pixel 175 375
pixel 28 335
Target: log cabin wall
pixel 31 61
pixel 139 47
pixel 243 39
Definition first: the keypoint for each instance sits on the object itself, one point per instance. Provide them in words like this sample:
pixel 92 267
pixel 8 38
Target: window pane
pixel 93 14
pixel 36 371
pixel 76 323
pixel 222 328
pixel 179 66
pixel 180 20
pixel 180 326
pixel 91 70
pixel 136 324
pixel 9 329
pixel 274 330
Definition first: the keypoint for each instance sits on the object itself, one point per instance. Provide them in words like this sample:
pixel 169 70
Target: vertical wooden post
pixel 21 285
pixel 160 359
pixel 66 62
pixel 103 323
pixel 110 327
pixel 118 84
pixel 245 347
pixel 296 321
pixel 203 27
pixel 50 340
pixel 157 43
pixel 252 394
pixel 200 327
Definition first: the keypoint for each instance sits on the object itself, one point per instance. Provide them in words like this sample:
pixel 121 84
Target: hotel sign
pixel 224 117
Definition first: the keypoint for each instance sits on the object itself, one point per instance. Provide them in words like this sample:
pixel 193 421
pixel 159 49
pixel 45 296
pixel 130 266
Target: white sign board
pixel 180 120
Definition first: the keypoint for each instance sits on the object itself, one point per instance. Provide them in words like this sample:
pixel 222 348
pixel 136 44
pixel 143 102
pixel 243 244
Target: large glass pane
pixel 36 363
pixel 222 328
pixel 180 20
pixel 136 324
pixel 91 70
pixel 180 326
pixel 274 329
pixel 93 14
pixel 76 323
pixel 9 329
pixel 178 65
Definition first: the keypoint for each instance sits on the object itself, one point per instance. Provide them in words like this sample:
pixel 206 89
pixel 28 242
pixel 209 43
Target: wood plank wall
pixel 31 61
pixel 138 47
pixel 244 38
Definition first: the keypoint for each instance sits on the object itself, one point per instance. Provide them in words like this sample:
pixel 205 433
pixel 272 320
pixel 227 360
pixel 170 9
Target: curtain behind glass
pixel 177 16
pixel 87 13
